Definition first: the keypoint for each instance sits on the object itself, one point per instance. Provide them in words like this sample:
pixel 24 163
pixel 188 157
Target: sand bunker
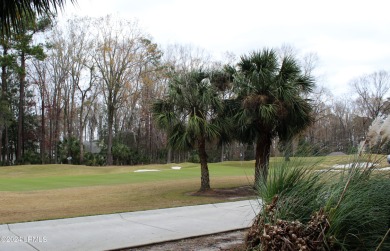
pixel 337 167
pixel 358 165
pixel 146 170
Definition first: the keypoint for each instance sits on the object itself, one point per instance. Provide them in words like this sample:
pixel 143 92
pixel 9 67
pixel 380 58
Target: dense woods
pixel 82 92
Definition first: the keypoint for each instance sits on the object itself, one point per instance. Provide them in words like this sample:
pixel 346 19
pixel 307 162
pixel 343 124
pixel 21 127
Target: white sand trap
pixel 349 166
pixel 176 167
pixel 358 165
pixel 383 169
pixel 146 170
pixel 328 170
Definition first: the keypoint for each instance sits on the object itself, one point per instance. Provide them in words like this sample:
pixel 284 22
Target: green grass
pixel 46 177
pixel 39 192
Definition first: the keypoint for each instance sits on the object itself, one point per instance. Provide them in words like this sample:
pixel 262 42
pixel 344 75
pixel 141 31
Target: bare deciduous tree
pixel 372 91
pixel 119 59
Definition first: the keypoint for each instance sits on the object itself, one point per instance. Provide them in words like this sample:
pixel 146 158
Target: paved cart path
pixel 114 231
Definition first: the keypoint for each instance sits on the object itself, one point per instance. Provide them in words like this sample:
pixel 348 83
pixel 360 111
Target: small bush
pixel 194 157
pixel 94 159
pixel 30 157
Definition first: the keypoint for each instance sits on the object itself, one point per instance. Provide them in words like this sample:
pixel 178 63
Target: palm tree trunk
pixel 263 149
pixel 205 178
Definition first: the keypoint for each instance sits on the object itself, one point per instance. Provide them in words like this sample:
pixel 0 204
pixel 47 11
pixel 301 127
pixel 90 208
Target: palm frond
pixel 179 138
pixel 194 103
pixel 163 113
pixel 267 113
pixel 212 131
pixel 12 12
pixel 270 90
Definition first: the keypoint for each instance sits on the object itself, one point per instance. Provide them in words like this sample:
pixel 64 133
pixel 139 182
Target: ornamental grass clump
pixel 306 210
pixel 290 180
pixel 359 209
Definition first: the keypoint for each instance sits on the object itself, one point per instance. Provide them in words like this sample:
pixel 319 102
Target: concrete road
pixel 114 231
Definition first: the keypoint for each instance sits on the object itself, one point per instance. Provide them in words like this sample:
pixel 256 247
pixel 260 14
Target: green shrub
pixel 94 159
pixel 30 157
pixel 120 154
pixel 194 157
pixel 69 150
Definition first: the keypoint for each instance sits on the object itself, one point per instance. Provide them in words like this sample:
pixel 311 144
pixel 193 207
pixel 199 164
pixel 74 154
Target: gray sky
pixel 351 38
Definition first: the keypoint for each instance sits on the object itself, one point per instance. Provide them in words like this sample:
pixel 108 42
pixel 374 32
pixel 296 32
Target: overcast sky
pixel 351 38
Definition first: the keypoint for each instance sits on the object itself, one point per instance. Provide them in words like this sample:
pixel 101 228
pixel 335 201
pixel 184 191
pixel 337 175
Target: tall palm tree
pixel 188 113
pixel 12 11
pixel 269 102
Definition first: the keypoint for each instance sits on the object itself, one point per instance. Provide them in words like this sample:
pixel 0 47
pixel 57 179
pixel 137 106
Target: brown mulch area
pixel 229 241
pixel 229 193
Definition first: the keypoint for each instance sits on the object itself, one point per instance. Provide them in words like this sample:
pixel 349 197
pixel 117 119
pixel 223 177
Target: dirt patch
pixel 228 193
pixel 229 241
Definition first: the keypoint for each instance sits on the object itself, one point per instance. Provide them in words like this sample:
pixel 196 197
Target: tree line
pixel 84 91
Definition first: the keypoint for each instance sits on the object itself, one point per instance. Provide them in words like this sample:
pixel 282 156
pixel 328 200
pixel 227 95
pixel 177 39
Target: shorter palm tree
pixel 189 115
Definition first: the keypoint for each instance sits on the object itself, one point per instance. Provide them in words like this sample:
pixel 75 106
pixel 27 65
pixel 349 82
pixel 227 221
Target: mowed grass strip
pixel 24 206
pixel 40 192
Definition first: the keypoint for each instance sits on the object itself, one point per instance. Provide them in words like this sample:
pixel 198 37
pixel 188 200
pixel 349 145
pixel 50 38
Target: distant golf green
pixel 46 177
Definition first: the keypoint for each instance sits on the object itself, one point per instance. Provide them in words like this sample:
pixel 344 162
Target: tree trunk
pixel 222 152
pixel 50 150
pixel 263 149
pixel 21 107
pixel 72 112
pixel 65 118
pixel 110 136
pixel 81 129
pixel 1 144
pixel 287 148
pixel 3 98
pixel 43 132
pixel 81 137
pixel 205 178
pixel 169 155
pixel 57 116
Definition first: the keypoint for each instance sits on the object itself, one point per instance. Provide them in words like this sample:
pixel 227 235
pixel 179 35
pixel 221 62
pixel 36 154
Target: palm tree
pixel 189 115
pixel 11 11
pixel 269 102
